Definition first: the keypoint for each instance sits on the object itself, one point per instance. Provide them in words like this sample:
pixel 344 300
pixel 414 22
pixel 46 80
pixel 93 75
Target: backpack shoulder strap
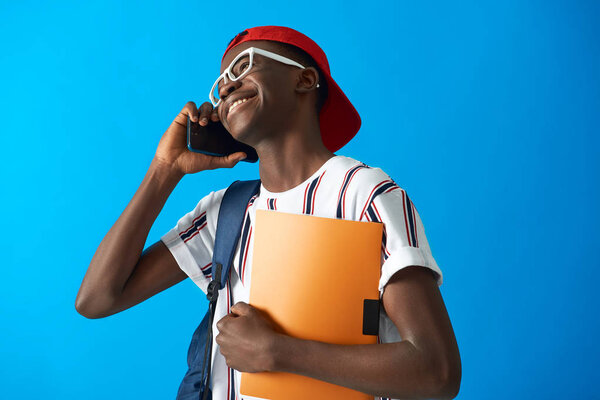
pixel 229 226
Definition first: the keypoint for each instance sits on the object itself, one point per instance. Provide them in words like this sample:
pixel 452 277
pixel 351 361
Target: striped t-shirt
pixel 341 188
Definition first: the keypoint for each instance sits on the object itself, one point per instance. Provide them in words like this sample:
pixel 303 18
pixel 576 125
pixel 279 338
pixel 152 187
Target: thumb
pixel 241 308
pixel 232 159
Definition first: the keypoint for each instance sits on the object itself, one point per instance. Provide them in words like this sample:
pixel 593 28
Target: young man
pixel 294 114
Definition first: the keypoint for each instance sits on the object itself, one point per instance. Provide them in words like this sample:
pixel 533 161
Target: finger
pixel 214 116
pixel 190 110
pixel 222 322
pixel 205 112
pixel 241 308
pixel 227 161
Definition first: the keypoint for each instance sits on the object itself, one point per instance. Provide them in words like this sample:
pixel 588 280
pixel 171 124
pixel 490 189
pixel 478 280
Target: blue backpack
pixel 195 383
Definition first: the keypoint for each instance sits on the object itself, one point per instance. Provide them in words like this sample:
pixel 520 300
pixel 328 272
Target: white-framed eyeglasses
pixel 240 67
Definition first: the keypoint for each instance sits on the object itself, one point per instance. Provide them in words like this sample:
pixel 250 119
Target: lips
pixel 235 109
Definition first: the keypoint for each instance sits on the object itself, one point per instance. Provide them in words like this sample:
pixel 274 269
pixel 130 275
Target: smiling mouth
pixel 237 104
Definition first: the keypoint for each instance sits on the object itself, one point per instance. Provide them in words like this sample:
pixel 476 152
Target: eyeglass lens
pixel 241 65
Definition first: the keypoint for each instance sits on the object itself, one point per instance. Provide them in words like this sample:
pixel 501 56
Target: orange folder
pixel 313 277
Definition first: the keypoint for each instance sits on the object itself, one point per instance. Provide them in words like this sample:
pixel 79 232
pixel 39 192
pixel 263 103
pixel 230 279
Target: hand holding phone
pixel 173 151
pixel 214 140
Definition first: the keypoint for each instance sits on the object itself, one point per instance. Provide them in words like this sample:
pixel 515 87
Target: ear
pixel 307 80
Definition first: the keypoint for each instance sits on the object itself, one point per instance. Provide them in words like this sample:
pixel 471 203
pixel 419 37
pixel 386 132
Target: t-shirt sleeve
pixel 192 239
pixel 404 242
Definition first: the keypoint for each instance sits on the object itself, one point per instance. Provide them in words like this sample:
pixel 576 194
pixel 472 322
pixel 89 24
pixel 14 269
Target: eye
pixel 241 65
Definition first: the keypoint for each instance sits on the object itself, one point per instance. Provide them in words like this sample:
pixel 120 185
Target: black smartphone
pixel 214 140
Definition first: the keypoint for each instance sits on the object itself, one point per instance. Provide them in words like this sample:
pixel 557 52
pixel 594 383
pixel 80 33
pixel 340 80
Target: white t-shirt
pixel 342 188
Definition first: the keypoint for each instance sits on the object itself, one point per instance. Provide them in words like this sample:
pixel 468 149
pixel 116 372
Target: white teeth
pixel 237 102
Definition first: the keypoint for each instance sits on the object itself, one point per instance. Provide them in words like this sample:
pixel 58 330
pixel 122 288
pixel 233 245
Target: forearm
pixel 121 248
pixel 397 370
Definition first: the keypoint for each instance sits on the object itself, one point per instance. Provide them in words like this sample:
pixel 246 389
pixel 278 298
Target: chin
pixel 244 130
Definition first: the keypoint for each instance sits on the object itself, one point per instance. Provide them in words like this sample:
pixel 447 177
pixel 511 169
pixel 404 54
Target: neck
pixel 289 158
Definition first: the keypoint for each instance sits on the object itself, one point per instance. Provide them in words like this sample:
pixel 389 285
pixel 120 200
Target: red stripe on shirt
pixel 203 269
pixel 341 187
pixel 406 219
pixel 195 233
pixel 314 195
pixel 206 266
pixel 346 191
pixel 246 254
pixel 371 195
pixel 414 222
pixel 305 192
pixel 250 203
pixel 381 219
pixel 193 223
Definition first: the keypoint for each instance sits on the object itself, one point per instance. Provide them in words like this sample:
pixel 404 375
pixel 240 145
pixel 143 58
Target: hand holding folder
pixel 314 277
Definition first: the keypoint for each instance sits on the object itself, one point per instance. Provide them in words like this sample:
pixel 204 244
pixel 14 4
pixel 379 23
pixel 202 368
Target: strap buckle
pixel 212 292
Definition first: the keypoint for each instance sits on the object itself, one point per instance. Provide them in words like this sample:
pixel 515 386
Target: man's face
pixel 269 90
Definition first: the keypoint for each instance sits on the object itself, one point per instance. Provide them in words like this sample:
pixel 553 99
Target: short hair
pixel 302 57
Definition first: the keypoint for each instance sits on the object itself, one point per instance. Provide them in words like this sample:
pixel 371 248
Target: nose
pixel 227 88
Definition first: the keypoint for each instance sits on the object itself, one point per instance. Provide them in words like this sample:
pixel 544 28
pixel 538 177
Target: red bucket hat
pixel 339 121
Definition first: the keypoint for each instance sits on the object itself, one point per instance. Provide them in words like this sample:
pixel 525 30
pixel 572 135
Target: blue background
pixel 487 113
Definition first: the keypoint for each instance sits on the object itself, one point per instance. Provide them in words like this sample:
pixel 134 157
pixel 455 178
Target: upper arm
pixel 414 303
pixel 155 271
